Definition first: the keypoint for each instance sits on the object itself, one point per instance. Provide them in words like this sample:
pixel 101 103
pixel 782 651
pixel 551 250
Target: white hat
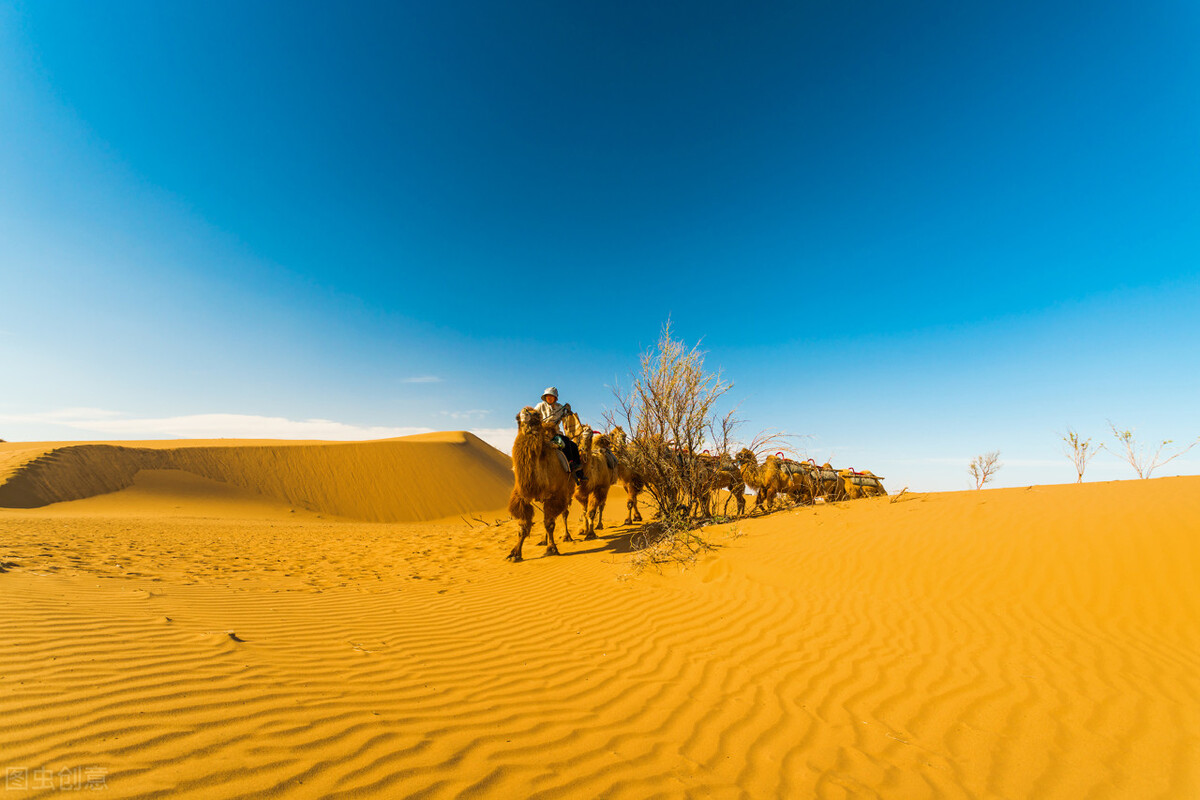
pixel 550 390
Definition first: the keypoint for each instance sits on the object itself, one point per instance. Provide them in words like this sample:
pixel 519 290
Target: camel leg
pixel 600 512
pixel 633 504
pixel 566 537
pixel 522 511
pixel 566 532
pixel 593 508
pixel 551 547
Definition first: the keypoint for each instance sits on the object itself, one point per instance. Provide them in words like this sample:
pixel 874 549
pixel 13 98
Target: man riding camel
pixel 553 411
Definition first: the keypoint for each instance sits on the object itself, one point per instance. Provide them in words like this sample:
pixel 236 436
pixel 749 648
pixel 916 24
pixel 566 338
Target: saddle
pixel 792 468
pixel 858 479
pixel 559 442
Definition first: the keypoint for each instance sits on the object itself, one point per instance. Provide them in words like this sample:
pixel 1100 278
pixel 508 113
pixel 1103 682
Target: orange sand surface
pixel 1011 643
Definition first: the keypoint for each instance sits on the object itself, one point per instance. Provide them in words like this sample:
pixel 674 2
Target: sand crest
pixel 424 477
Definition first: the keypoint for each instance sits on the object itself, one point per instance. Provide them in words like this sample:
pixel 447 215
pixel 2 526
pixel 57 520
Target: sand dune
pixel 177 493
pixel 1034 643
pixel 424 477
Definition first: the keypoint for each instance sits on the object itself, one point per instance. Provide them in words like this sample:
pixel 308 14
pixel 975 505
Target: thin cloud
pixel 234 426
pixel 211 426
pixel 474 413
pixel 423 379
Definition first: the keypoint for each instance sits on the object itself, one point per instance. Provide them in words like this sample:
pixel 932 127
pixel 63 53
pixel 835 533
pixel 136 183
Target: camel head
pixel 746 457
pixel 529 421
pixel 573 427
pixel 617 434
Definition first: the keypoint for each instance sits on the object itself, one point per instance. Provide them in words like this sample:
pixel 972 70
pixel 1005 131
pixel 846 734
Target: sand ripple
pixel 999 644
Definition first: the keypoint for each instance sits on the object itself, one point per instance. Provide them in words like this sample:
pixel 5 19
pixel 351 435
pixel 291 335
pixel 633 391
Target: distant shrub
pixel 983 468
pixel 1078 451
pixel 1137 456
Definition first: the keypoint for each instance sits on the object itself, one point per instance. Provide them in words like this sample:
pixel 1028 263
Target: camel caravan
pixel 551 468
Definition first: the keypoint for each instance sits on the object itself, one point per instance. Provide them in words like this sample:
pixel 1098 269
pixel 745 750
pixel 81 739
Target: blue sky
pixel 911 233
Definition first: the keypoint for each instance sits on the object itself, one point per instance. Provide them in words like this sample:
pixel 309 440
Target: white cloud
pixel 233 426
pixel 469 414
pixel 67 414
pixel 210 426
pixel 423 379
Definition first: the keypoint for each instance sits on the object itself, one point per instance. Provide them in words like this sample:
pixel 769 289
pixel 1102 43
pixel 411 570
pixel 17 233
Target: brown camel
pixel 600 473
pixel 767 480
pixel 802 479
pixel 540 478
pixel 627 474
pixel 832 487
pixel 721 472
pixel 573 428
pixel 861 484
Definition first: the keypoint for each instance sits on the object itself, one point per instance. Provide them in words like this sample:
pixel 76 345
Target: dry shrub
pixel 983 468
pixel 1143 462
pixel 670 411
pixel 1080 451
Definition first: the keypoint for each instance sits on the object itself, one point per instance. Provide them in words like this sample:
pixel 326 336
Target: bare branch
pixel 1136 455
pixel 1078 451
pixel 983 468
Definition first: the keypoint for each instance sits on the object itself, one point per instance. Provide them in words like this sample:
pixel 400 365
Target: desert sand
pixel 224 619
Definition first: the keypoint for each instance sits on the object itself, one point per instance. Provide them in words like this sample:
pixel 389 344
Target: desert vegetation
pixel 1139 456
pixel 1080 451
pixel 983 468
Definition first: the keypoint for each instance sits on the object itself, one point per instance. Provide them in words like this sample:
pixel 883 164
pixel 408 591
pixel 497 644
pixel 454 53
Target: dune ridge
pixel 423 477
pixel 997 644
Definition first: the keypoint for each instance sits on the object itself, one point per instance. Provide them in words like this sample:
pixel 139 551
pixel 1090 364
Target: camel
pixel 600 471
pixel 627 474
pixel 573 428
pixel 540 478
pixel 861 484
pixel 721 472
pixel 828 484
pixel 767 480
pixel 802 479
